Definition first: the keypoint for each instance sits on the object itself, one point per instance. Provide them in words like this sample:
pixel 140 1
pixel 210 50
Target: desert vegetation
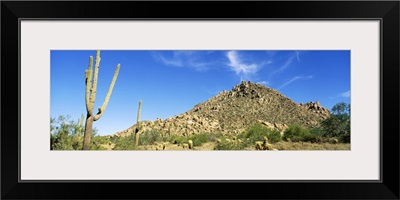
pixel 251 116
pixel 67 134
pixel 332 134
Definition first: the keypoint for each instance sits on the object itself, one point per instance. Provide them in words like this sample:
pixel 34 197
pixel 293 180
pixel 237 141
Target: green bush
pixel 100 139
pixel 298 133
pixel 274 136
pixel 66 134
pixel 296 139
pixel 199 139
pixel 317 131
pixel 255 133
pixel 310 138
pixel 124 143
pixel 98 142
pixel 150 137
pixel 97 147
pixel 175 139
pixel 295 132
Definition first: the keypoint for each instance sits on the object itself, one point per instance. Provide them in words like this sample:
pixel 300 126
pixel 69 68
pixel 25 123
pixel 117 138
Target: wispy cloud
pixel 184 58
pixel 199 65
pixel 170 61
pixel 286 64
pixel 267 62
pixel 243 70
pixel 341 95
pixel 345 94
pixel 297 55
pixel 295 79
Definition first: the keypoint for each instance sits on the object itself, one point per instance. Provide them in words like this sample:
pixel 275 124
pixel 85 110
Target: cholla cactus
pixel 190 144
pixel 80 126
pixel 90 97
pixel 333 140
pixel 259 145
pixel 263 145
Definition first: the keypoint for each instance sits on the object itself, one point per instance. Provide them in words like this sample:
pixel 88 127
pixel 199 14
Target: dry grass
pixel 281 146
pixel 310 146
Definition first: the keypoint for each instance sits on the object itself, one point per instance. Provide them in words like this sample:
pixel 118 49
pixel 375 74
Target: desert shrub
pixel 66 134
pixel 298 133
pixel 98 142
pixel 319 135
pixel 296 139
pixel 256 132
pixel 124 143
pixel 100 139
pixel 274 136
pixel 226 145
pixel 97 147
pixel 214 137
pixel 310 138
pixel 176 139
pixel 150 137
pixel 199 139
pixel 317 131
pixel 52 141
pixel 295 133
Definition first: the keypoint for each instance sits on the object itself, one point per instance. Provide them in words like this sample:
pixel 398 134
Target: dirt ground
pixel 281 146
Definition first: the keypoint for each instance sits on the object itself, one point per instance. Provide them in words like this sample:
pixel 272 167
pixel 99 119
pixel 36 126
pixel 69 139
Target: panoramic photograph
pixel 200 100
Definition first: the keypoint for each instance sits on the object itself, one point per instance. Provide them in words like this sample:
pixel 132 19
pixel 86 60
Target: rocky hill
pixel 233 111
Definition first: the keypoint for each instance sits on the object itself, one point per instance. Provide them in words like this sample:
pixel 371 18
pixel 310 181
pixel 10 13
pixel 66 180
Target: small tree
pixel 338 124
pixel 342 111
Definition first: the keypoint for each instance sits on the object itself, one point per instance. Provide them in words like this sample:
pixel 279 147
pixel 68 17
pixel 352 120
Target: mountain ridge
pixel 231 112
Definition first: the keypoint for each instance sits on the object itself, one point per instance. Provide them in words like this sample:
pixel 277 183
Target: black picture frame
pixel 386 11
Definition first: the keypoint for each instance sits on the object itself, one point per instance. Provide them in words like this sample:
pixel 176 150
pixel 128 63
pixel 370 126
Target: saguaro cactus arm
pixel 88 81
pixel 95 77
pixel 110 89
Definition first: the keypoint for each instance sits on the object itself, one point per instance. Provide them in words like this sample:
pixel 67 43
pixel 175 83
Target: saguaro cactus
pixel 138 123
pixel 91 89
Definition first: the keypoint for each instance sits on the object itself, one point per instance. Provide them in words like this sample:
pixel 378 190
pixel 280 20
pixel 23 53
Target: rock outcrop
pixel 231 112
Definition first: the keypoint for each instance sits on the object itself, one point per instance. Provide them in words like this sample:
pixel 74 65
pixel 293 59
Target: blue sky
pixel 172 82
